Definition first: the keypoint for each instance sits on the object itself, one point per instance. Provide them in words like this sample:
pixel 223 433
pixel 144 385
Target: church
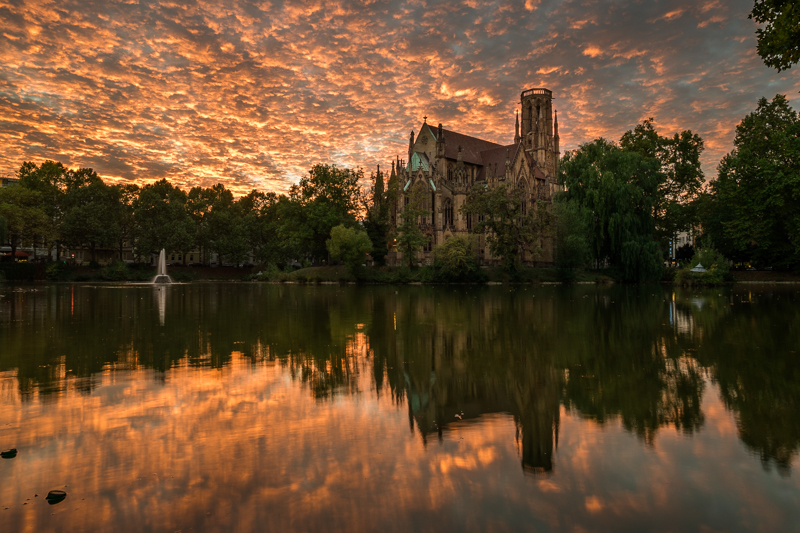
pixel 447 165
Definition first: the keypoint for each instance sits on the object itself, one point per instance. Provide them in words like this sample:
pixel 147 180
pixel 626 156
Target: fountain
pixel 161 275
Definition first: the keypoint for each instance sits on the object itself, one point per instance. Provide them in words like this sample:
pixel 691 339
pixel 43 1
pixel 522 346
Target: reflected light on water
pixel 223 408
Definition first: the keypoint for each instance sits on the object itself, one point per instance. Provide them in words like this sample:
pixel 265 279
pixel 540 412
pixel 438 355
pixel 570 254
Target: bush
pixel 57 270
pixel 350 246
pixel 455 260
pixel 94 264
pixel 116 271
pixel 716 265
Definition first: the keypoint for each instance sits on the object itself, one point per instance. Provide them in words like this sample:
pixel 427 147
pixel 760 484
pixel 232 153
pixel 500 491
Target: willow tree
pixel 619 190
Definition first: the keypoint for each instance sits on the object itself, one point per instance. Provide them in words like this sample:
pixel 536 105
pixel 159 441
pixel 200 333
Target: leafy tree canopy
pixel 752 212
pixel 779 40
pixel 620 189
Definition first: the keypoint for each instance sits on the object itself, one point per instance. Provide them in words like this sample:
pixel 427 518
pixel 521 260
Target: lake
pixel 257 407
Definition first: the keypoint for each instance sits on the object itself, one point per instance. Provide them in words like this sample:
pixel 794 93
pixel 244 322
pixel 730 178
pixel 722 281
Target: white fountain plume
pixel 161 275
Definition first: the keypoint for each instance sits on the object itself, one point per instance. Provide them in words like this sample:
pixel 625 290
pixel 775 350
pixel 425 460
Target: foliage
pixel 3 230
pixel 456 260
pixel 572 251
pixel 779 41
pixel 685 252
pixel 91 214
pixel 513 228
pixel 752 211
pixel 410 237
pixel 162 220
pixel 376 220
pixel 680 178
pixel 716 265
pixel 327 197
pixel 619 188
pixel 349 245
pixel 26 219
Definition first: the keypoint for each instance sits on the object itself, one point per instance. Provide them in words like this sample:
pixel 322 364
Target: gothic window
pixel 448 213
pixel 523 207
pixel 469 222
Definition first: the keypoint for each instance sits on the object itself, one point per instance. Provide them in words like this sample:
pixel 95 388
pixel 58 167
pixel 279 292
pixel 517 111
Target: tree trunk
pixel 91 246
pixel 13 242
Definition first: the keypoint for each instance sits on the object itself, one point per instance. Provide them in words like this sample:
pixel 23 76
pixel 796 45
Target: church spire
pixel 516 130
pixel 411 145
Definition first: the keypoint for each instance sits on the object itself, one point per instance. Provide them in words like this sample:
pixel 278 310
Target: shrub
pixel 350 246
pixel 716 265
pixel 116 271
pixel 456 260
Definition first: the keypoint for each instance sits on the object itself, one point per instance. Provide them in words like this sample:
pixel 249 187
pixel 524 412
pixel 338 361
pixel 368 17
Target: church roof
pixel 471 147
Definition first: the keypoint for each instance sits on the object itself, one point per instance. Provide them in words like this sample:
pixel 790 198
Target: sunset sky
pixel 253 93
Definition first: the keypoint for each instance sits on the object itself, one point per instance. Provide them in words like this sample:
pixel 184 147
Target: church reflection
pixel 450 356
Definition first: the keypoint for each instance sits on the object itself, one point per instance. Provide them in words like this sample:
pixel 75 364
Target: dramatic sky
pixel 252 93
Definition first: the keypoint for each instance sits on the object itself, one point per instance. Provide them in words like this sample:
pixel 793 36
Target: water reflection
pixel 504 369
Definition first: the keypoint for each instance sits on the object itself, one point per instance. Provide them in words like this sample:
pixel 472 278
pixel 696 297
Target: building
pixel 447 165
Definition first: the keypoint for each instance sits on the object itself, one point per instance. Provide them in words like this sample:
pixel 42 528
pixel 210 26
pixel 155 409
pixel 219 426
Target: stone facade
pixel 447 165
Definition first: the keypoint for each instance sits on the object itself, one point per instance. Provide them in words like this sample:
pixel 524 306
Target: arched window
pixel 523 193
pixel 448 213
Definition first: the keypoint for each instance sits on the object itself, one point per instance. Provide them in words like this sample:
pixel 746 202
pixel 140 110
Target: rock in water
pixel 55 496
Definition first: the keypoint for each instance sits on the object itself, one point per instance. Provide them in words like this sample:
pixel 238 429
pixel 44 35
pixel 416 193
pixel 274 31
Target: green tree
pixel 376 220
pixel 680 176
pixel 410 237
pixel 225 225
pixel 572 251
pixel 752 212
pixel 91 213
pixel 779 41
pixel 456 258
pixel 327 197
pixel 25 217
pixel 50 180
pixel 162 220
pixel 513 228
pixel 620 190
pixel 125 215
pixel 349 245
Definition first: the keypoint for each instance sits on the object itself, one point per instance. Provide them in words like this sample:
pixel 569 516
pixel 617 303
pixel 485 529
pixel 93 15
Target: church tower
pixel 537 135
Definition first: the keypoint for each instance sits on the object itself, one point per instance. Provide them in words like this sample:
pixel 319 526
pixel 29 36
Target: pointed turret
pixel 555 134
pixel 411 145
pixel 516 130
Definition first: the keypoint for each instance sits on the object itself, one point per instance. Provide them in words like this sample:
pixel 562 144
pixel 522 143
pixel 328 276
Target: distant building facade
pixel 447 165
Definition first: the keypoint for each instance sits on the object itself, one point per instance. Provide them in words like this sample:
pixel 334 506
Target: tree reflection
pixel 449 355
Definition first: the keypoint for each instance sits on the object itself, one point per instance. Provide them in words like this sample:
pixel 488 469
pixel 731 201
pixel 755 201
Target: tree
pixel 376 220
pixel 410 237
pixel 620 190
pixel 456 258
pixel 50 180
pixel 91 213
pixel 349 245
pixel 125 215
pixel 512 228
pixel 752 212
pixel 161 220
pixel 779 41
pixel 227 233
pixel 572 250
pixel 26 220
pixel 680 176
pixel 328 196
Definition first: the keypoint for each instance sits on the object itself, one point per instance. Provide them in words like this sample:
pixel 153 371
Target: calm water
pixel 238 407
